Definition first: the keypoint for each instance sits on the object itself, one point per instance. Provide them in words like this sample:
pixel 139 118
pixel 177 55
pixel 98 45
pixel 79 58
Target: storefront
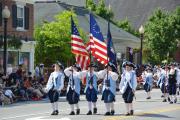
pixel 24 56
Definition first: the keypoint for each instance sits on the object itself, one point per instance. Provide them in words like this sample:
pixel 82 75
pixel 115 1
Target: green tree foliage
pixel 161 34
pixel 100 9
pixel 90 5
pixel 53 39
pixel 126 25
pixel 175 22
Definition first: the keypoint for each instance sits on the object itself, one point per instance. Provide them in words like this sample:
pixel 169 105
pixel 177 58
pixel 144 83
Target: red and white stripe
pixel 99 50
pixel 77 45
pixel 83 61
pixel 90 46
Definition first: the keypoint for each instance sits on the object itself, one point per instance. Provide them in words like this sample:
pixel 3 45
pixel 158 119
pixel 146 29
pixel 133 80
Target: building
pixel 20 25
pixel 44 10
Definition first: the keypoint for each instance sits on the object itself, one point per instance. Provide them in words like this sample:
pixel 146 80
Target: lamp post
pixel 5 15
pixel 141 31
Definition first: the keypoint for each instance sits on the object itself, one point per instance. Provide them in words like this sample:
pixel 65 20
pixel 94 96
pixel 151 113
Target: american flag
pixel 83 61
pixel 77 44
pixel 98 45
pixel 78 47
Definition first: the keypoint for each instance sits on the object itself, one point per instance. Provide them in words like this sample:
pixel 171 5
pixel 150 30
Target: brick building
pixel 20 25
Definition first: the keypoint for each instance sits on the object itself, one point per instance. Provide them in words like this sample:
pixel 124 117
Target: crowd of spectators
pixel 21 85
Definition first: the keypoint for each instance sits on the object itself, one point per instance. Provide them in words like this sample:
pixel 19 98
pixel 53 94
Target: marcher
pixel 73 89
pixel 128 86
pixel 148 82
pixel 54 85
pixel 163 83
pixel 172 83
pixel 109 77
pixel 91 88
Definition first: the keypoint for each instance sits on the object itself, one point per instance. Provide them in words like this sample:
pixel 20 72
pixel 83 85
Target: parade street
pixel 153 109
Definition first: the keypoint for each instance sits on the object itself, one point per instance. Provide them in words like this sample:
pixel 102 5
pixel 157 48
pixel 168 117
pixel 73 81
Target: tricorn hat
pixel 92 65
pixel 113 66
pixel 130 64
pixel 60 64
pixel 77 66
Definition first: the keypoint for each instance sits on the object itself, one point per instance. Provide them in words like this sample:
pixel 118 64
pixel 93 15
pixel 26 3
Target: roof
pixel 138 11
pixel 26 1
pixel 42 13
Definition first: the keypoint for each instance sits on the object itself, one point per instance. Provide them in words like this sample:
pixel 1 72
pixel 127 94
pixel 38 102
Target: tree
pixel 90 5
pixel 104 11
pixel 175 22
pixel 160 35
pixel 100 9
pixel 126 25
pixel 53 39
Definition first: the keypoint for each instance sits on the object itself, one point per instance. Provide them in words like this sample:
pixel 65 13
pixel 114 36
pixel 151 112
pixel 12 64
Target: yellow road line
pixel 155 111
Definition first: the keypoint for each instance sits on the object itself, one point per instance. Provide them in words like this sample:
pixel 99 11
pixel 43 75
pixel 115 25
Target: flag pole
pixel 107 42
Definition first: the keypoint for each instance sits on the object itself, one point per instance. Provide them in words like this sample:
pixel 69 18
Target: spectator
pixel 39 72
pixel 3 98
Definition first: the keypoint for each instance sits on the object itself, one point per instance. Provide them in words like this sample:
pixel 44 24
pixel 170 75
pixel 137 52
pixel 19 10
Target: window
pixel 24 58
pixel 20 16
pixel 12 60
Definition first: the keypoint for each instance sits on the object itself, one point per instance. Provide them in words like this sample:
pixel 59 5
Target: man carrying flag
pixel 73 90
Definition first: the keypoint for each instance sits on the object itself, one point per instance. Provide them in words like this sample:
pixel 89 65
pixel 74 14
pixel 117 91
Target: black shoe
pixel 107 113
pixel 89 113
pixel 164 100
pixel 132 112
pixel 175 100
pixel 56 112
pixel 127 114
pixel 162 96
pixel 112 112
pixel 72 113
pixel 94 110
pixel 171 102
pixel 169 99
pixel 53 113
pixel 148 98
pixel 77 111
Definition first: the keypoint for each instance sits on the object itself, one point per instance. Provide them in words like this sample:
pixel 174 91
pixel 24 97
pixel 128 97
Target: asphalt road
pixel 153 109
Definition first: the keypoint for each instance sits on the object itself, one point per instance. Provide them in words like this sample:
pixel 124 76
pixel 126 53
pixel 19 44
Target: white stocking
pixel 90 106
pixel 107 107
pixel 77 106
pixel 94 103
pixel 56 105
pixel 53 106
pixel 127 107
pixel 72 107
pixel 112 106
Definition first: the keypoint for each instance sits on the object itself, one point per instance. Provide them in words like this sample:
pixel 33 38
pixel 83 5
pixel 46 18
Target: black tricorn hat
pixel 130 64
pixel 77 66
pixel 113 66
pixel 60 64
pixel 149 69
pixel 166 66
pixel 172 64
pixel 92 65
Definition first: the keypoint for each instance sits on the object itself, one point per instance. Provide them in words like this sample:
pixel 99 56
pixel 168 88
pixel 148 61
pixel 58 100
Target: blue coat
pixel 124 83
pixel 88 81
pixel 76 77
pixel 149 79
pixel 112 77
pixel 55 80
